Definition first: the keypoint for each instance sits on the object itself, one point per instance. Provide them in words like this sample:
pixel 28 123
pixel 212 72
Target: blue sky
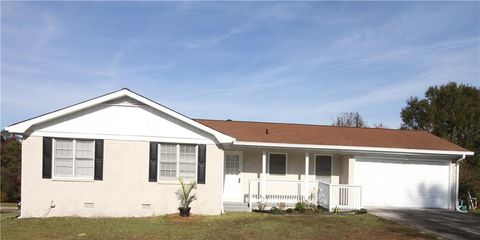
pixel 284 62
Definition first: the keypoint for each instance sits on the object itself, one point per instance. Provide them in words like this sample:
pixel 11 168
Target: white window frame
pixel 286 164
pixel 163 179
pixel 73 177
pixel 315 165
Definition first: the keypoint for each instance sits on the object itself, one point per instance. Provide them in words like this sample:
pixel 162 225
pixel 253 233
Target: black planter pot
pixel 184 212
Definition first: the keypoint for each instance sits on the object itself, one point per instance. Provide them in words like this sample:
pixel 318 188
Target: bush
pixel 281 206
pixel 274 210
pixel 361 211
pixel 186 193
pixel 300 206
pixel 261 205
pixel 289 210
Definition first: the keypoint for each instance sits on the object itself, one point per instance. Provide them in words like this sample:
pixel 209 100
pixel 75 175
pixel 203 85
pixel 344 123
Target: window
pixel 277 163
pixel 168 161
pixel 232 164
pixel 73 158
pixel 177 160
pixel 188 162
pixel 323 168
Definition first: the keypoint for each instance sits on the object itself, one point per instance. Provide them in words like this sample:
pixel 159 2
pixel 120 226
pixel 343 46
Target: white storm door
pixel 232 188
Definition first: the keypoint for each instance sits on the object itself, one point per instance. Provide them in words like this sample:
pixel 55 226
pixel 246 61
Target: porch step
pixel 235 207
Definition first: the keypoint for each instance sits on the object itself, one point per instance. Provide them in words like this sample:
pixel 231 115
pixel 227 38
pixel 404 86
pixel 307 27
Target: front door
pixel 232 188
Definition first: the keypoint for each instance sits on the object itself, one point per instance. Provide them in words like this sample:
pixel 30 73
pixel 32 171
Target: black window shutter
pixel 153 162
pixel 98 160
pixel 202 155
pixel 47 158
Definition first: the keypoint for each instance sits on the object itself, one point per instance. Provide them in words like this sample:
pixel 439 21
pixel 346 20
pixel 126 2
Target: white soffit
pixel 352 148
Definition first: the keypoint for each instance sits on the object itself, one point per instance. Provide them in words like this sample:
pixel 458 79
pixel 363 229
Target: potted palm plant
pixel 186 196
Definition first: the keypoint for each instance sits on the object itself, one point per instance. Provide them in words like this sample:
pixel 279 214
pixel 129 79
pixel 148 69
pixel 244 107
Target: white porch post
pixel 264 174
pixel 306 187
pixel 351 170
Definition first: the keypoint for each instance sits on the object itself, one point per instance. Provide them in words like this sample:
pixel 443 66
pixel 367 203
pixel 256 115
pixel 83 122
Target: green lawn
pixel 229 226
pixel 8 204
pixel 475 212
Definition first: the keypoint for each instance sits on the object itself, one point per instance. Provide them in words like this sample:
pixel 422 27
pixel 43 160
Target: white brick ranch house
pixel 121 154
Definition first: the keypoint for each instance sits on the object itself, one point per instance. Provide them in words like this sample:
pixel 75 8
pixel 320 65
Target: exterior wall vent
pixel 146 206
pixel 88 205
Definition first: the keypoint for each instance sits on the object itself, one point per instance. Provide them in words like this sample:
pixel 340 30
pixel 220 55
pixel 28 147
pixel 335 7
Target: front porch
pixel 289 192
pixel 253 176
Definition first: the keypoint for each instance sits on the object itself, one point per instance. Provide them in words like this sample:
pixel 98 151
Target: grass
pixel 8 204
pixel 229 226
pixel 475 212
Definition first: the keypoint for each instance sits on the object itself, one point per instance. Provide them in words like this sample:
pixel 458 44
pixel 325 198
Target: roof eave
pixel 350 148
pixel 24 126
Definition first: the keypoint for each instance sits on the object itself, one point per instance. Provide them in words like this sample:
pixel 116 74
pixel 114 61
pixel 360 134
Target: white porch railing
pixel 281 191
pixel 329 196
pixel 340 196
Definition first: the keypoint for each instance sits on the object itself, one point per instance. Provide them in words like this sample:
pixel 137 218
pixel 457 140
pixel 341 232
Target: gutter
pixel 353 149
pixel 457 182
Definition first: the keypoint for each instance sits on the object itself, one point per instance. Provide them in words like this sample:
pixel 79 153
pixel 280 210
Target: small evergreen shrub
pixel 274 210
pixel 300 206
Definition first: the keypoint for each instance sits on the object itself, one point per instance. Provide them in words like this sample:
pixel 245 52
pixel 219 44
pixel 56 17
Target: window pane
pixel 232 164
pixel 188 166
pixel 63 163
pixel 278 164
pixel 323 168
pixel 84 159
pixel 168 161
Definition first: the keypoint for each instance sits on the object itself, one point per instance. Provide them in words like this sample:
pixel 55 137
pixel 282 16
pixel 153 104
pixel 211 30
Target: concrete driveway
pixel 446 224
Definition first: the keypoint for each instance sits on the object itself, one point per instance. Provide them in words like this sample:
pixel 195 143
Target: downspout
pixel 457 183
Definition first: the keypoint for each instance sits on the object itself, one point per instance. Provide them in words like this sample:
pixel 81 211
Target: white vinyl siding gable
pixel 73 159
pixel 177 161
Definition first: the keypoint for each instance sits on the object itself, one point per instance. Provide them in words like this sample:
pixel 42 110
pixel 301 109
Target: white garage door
pixel 403 183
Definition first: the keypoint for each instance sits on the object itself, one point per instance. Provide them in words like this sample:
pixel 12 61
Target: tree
pixel 349 119
pixel 10 167
pixel 451 112
pixel 379 125
pixel 6 135
pixel 415 115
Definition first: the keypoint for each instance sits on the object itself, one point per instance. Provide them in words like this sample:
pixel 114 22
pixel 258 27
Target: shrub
pixel 186 193
pixel 262 205
pixel 361 211
pixel 274 210
pixel 336 210
pixel 289 210
pixel 281 206
pixel 300 206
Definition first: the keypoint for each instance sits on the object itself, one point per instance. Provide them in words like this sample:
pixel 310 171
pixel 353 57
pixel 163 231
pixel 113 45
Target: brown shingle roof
pixel 329 135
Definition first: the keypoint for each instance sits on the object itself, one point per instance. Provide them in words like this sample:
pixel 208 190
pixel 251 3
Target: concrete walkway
pixel 443 223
